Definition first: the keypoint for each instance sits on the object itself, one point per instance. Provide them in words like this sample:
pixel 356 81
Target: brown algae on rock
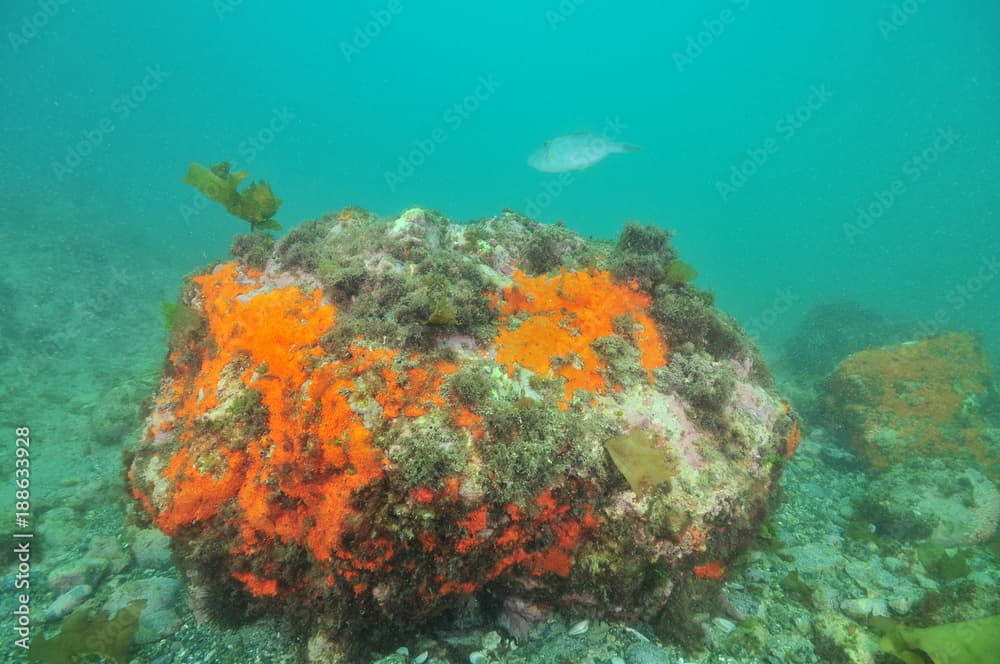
pixel 643 462
pixel 90 631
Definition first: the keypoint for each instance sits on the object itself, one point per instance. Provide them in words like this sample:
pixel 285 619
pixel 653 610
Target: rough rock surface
pixel 384 418
pixel 932 499
pixel 917 399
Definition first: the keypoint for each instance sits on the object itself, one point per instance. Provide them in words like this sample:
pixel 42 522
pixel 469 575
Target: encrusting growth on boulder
pixel 381 417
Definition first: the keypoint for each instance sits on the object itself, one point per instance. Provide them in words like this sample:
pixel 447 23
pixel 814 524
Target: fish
pixel 574 152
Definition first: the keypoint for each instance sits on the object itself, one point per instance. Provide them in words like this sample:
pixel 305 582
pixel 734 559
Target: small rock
pixel 863 607
pixel 934 499
pixel 491 641
pixel 900 605
pixel 108 548
pixel 68 601
pixel 825 598
pixel 158 618
pixel 60 529
pixel 394 658
pixel 645 653
pixel 156 625
pixel 726 626
pixel 151 549
pixel 893 564
pixel 158 591
pixel 319 650
pixel 802 624
pixel 87 571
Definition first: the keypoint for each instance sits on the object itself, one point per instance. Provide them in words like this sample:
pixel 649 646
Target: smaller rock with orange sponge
pixel 921 399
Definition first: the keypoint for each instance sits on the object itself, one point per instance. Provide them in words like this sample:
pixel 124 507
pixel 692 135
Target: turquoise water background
pixel 801 153
pixel 804 153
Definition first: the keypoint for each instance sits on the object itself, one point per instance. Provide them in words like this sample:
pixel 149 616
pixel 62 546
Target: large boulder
pixel 395 415
pixel 917 400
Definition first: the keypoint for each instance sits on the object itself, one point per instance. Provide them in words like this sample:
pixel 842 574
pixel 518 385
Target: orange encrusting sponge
pixel 514 537
pixel 565 315
pixel 294 483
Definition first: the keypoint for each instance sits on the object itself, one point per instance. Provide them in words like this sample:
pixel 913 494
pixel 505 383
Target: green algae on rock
pixel 642 461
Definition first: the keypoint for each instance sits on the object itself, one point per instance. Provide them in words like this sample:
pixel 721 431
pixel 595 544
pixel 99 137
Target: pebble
pixel 60 529
pixel 863 607
pixel 802 624
pixel 645 653
pixel 158 591
pixel 108 548
pixel 637 634
pixel 151 549
pixel 68 601
pixel 893 564
pixel 726 626
pixel 86 571
pixel 491 640
pixel 156 625
pixel 158 619
pixel 900 605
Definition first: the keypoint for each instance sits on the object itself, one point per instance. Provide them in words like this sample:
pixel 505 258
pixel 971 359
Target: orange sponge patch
pixel 562 317
pixel 294 483
pixel 198 495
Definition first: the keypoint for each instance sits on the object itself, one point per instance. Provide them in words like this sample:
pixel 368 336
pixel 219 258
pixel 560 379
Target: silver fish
pixel 574 152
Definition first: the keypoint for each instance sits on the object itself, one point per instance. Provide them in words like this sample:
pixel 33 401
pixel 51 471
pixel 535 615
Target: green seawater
pixel 803 153
pixel 800 153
